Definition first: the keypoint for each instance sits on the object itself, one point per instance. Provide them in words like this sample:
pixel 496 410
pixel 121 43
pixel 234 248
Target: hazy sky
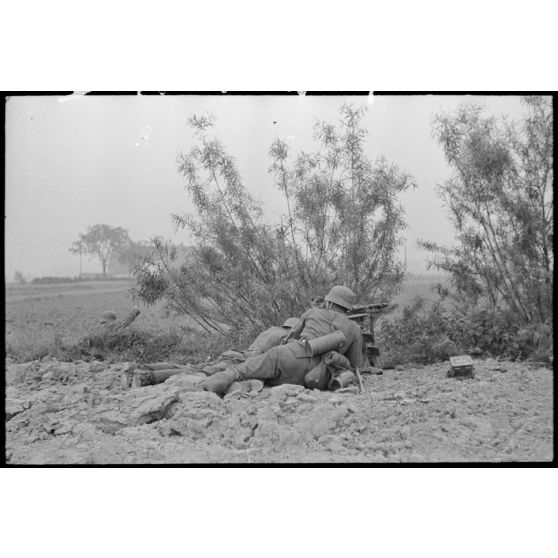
pixel 71 163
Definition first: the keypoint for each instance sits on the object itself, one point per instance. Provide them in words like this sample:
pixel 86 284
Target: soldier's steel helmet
pixel 343 296
pixel 290 322
pixel 108 317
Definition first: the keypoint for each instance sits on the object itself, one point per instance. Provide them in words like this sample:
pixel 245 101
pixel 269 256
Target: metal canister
pixel 342 380
pixel 320 345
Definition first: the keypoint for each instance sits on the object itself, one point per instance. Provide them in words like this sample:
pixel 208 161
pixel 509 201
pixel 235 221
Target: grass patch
pixel 426 333
pixel 131 344
pixel 421 330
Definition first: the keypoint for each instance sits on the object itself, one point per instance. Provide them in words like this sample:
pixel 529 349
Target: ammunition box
pixel 461 367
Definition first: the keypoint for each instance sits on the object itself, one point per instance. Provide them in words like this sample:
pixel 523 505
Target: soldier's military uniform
pixel 317 322
pixel 270 338
pixel 290 363
pixel 160 372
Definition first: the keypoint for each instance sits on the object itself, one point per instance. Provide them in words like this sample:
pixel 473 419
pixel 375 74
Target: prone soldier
pixel 159 372
pixel 296 361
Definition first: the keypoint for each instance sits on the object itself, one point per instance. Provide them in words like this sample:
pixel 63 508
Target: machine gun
pixel 365 315
pixel 374 307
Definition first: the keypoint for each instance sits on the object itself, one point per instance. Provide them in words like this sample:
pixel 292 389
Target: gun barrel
pixel 372 306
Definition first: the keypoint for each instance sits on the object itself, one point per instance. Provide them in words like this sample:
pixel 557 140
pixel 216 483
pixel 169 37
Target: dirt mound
pixel 59 412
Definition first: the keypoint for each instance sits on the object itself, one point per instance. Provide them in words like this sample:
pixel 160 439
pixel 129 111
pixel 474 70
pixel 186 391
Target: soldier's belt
pixel 325 343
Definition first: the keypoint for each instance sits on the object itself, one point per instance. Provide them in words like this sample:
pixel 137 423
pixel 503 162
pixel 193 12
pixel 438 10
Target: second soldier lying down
pixel 159 372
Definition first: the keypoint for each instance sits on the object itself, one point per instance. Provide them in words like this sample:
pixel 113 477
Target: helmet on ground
pixel 343 296
pixel 108 317
pixel 290 322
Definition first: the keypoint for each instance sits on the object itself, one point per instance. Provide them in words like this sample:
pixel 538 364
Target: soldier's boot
pixel 142 378
pixel 245 387
pixel 160 376
pixel 219 383
pixel 127 375
pixel 214 368
pixel 256 385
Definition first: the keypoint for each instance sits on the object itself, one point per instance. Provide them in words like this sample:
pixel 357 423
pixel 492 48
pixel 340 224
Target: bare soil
pixel 59 413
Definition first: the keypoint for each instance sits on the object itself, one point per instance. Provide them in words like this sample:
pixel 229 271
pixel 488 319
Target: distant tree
pixel 501 205
pixel 101 241
pixel 19 278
